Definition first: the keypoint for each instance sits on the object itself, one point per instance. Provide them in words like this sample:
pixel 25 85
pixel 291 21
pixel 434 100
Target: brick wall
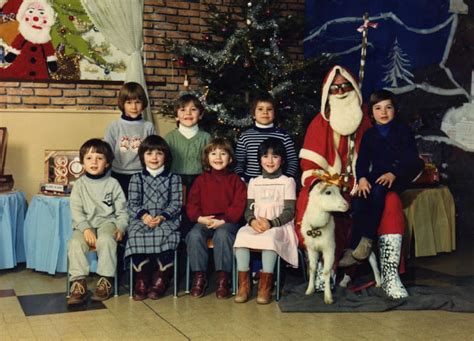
pixel 171 19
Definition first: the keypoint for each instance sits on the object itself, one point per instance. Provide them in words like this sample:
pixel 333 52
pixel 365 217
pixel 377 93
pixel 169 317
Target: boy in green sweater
pixel 187 141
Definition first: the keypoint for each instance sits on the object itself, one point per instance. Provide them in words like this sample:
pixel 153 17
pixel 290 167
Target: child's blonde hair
pixel 129 91
pixel 221 143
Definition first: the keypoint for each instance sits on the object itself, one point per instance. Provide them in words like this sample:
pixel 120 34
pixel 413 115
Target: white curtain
pixel 121 23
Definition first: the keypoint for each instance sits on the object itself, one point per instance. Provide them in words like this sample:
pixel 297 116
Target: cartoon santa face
pixel 36 18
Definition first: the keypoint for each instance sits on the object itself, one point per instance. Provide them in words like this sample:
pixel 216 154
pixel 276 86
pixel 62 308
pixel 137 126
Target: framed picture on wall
pixel 3 148
pixel 64 46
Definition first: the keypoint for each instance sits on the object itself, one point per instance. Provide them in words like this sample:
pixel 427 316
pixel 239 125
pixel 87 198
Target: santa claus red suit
pixel 31 54
pixel 331 144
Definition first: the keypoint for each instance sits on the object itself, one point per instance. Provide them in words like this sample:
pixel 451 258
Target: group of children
pixel 142 197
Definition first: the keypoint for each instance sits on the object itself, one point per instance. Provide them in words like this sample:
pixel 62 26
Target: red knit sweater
pixel 219 193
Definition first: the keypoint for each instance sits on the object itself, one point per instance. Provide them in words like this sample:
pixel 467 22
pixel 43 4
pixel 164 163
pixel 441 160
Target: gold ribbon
pixel 334 179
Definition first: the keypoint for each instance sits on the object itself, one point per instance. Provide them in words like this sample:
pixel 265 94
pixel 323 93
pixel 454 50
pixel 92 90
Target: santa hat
pixel 328 82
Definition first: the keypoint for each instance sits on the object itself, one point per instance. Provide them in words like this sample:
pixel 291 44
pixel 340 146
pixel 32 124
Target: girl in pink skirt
pixel 270 226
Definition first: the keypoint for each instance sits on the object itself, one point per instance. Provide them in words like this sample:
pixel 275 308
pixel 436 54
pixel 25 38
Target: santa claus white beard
pixel 35 36
pixel 345 113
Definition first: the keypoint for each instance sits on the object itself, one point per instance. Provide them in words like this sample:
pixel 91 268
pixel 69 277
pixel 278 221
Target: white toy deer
pixel 317 228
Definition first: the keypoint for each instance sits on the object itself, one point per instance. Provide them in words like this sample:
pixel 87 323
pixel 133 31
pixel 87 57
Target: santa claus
pixel 31 54
pixel 331 144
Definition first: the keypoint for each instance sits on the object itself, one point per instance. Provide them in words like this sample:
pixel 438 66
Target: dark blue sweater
pixel 396 153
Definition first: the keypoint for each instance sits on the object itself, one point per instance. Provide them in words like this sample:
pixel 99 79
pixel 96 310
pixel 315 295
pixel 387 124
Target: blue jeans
pixel 223 238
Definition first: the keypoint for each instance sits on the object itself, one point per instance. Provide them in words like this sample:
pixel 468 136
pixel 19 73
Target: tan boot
pixel 265 288
pixel 363 250
pixel 244 287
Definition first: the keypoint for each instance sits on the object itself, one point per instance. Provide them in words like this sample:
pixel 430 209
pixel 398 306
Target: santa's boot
pixel 390 248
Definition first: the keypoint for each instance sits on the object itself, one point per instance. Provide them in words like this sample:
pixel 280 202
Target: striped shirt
pixel 246 154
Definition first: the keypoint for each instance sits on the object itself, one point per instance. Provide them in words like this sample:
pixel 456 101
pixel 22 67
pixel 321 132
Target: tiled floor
pixel 186 318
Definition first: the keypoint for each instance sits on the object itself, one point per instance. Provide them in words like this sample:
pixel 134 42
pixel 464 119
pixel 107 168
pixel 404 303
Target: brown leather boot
pixel 142 280
pixel 78 293
pixel 199 284
pixel 160 283
pixel 103 290
pixel 265 288
pixel 223 285
pixel 244 287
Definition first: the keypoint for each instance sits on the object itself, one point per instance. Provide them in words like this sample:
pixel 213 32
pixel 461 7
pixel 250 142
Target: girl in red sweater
pixel 216 203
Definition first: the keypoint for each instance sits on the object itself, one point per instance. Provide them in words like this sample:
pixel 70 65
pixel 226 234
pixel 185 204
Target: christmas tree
pixel 70 36
pixel 242 55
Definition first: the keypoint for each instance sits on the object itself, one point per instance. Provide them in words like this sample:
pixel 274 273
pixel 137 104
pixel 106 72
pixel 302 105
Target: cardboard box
pixel 62 166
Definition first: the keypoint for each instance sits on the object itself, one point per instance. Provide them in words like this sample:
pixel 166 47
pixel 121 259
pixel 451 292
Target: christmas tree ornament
pixel 248 22
pixel 249 4
pixel 268 12
pixel 207 37
pixel 186 81
pixel 181 61
pixel 71 18
pixel 247 63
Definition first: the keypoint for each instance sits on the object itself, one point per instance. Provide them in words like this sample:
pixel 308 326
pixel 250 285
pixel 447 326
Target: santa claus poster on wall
pixel 54 40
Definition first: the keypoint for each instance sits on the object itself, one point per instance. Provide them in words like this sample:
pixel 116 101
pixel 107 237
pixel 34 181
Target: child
pixel 248 164
pixel 216 202
pixel 99 221
pixel 126 133
pixel 270 221
pixel 187 141
pixel 154 205
pixel 387 160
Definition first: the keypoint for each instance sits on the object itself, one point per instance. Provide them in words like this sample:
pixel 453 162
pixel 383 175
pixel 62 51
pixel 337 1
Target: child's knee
pixel 106 242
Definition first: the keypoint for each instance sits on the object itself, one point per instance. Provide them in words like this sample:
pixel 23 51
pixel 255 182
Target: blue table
pixel 47 231
pixel 12 216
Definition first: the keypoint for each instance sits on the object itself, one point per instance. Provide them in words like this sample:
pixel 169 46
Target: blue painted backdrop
pixel 411 36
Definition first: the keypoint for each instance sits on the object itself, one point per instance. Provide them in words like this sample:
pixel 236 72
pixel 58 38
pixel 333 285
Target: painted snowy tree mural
pixel 398 65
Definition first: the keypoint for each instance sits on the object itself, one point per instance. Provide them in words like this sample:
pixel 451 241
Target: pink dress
pixel 269 196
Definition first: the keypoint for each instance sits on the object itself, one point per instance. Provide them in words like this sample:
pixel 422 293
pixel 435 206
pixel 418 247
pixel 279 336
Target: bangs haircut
pixel 267 98
pixel 220 143
pixel 382 95
pixel 155 142
pixel 277 147
pixel 130 91
pixel 182 101
pixel 97 146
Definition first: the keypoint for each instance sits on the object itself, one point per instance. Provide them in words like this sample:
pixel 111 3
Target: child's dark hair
pixel 277 147
pixel 185 99
pixel 218 142
pixel 155 142
pixel 129 91
pixel 97 146
pixel 381 95
pixel 262 98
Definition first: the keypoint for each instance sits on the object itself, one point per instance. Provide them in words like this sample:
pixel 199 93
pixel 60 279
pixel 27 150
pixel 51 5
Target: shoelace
pixel 78 288
pixel 104 284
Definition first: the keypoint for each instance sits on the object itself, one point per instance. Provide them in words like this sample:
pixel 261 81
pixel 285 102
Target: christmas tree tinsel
pixel 241 56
